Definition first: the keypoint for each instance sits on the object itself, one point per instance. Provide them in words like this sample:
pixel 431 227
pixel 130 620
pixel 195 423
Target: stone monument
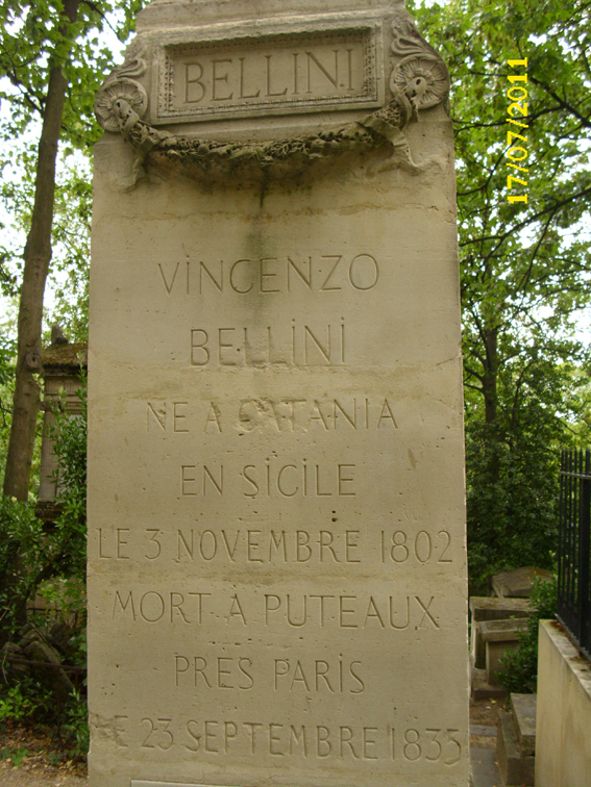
pixel 277 566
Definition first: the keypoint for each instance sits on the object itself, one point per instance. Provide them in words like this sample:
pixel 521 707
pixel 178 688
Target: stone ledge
pixel 515 767
pixel 503 630
pixel 524 711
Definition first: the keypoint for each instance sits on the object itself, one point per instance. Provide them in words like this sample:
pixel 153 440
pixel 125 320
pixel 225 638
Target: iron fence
pixel 574 546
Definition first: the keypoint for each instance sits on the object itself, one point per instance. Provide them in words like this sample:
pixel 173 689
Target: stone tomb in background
pixel 277 573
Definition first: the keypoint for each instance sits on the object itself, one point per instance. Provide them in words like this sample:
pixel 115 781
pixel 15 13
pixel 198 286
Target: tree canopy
pixel 525 267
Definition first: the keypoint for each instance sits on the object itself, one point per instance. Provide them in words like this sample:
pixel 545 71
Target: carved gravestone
pixel 277 574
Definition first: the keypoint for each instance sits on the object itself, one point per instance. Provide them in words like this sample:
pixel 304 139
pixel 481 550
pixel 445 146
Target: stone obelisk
pixel 277 564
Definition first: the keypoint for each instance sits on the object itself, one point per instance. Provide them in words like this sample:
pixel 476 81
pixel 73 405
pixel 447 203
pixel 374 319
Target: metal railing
pixel 574 546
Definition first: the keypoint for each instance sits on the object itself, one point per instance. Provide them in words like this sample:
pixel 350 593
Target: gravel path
pixel 29 759
pixel 37 776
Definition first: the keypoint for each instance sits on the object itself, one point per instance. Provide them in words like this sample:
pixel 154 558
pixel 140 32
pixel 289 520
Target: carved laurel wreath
pixel 419 80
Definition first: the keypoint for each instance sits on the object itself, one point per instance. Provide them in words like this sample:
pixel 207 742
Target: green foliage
pixel 75 728
pixel 16 755
pixel 43 554
pixel 15 705
pixel 519 667
pixel 54 568
pixel 70 531
pixel 32 38
pixel 25 701
pixel 22 539
pixel 71 236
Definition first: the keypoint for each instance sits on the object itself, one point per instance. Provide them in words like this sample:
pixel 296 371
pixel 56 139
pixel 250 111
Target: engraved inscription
pixel 272 479
pixel 294 610
pixel 318 675
pixel 337 675
pixel 275 546
pixel 296 344
pixel 253 546
pixel 305 71
pixel 222 672
pixel 350 611
pixel 289 415
pixel 317 741
pixel 294 274
pixel 281 415
pixel 421 547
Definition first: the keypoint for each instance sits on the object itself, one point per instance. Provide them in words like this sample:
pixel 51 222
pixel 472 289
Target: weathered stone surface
pixel 519 582
pixel 481 689
pixel 524 711
pixel 503 630
pixel 484 608
pixel 563 713
pixel 499 637
pixel 63 365
pixel 495 608
pixel 277 571
pixel 516 767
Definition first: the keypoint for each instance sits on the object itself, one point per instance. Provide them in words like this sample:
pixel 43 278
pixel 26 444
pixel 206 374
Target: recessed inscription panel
pixel 281 74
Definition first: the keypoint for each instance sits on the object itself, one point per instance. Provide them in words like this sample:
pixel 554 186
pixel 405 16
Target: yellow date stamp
pixel 517 152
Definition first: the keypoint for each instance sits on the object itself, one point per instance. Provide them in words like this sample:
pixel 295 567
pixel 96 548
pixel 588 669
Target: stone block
pixel 519 582
pixel 524 713
pixel 277 562
pixel 481 689
pixel 500 636
pixel 517 769
pixel 498 608
pixel 491 608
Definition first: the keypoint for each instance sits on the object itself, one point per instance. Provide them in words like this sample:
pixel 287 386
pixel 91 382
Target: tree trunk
pixel 489 380
pixel 37 257
pixel 489 389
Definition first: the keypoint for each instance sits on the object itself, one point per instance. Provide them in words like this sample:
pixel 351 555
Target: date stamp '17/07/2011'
pixel 517 152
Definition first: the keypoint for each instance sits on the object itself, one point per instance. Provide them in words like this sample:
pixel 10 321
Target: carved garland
pixel 418 81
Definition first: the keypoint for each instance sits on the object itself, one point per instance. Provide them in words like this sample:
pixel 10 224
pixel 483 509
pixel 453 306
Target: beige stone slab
pixel 524 711
pixel 327 556
pixel 519 582
pixel 496 608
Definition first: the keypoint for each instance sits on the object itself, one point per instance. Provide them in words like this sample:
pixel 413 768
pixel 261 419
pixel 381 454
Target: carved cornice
pixel 418 81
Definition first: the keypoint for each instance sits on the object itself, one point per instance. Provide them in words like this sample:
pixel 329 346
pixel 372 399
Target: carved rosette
pixel 423 79
pixel 419 73
pixel 111 92
pixel 121 85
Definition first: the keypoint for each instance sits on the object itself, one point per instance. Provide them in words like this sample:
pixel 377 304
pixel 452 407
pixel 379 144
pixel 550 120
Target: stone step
pixel 495 608
pixel 481 689
pixel 484 608
pixel 519 581
pixel 524 713
pixel 517 769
